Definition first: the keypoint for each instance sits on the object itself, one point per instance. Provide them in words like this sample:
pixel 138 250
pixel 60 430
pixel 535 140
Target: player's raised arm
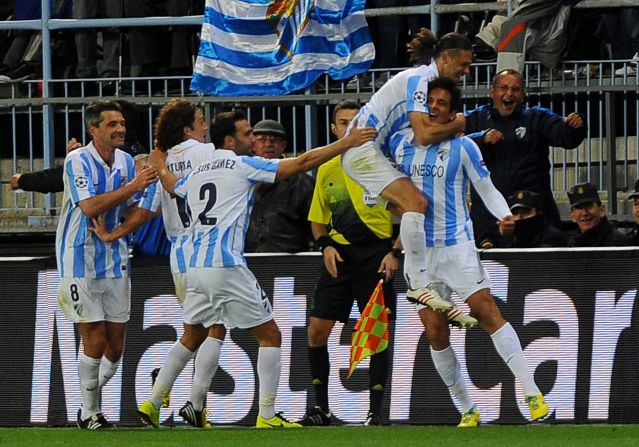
pixel 315 157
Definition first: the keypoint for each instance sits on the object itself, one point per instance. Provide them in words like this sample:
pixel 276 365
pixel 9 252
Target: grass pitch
pixel 493 436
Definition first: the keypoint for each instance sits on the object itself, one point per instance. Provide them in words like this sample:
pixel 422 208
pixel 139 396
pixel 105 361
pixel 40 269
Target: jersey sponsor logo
pixel 419 97
pixel 81 182
pixel 520 132
pixel 424 170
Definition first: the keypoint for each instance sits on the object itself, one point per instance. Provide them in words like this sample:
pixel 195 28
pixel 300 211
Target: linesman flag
pixel 370 335
pixel 274 47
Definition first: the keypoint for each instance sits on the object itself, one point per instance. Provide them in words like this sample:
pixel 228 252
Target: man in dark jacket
pixel 587 211
pixel 514 141
pixel 531 229
pixel 279 220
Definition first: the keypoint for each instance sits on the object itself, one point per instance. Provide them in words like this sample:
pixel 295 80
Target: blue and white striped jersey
pixel 81 254
pixel 220 194
pixel 389 107
pixel 180 160
pixel 442 171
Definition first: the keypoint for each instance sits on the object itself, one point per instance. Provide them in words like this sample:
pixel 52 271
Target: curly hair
pixel 169 126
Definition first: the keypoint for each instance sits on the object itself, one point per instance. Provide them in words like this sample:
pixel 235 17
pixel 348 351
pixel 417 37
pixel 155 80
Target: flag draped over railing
pixel 274 47
pixel 370 335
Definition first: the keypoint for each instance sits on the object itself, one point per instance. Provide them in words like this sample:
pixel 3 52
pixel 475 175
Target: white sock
pixel 88 370
pixel 175 362
pixel 206 362
pixel 268 372
pixel 107 370
pixel 411 231
pixel 509 348
pixel 449 370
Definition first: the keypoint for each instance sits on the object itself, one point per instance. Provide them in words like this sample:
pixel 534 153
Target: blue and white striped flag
pixel 274 47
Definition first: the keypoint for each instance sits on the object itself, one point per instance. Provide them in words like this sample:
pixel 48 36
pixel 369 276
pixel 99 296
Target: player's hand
pixel 506 225
pixel 73 144
pixel 493 136
pixel 360 135
pixel 460 120
pixel 389 266
pixel 15 181
pixel 99 229
pixel 574 120
pixel 143 178
pixel 157 159
pixel 331 258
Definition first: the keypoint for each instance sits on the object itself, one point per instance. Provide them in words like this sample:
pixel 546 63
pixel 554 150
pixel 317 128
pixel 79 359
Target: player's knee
pixel 317 336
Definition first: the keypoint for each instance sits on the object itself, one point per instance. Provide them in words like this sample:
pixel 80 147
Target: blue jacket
pixel 521 160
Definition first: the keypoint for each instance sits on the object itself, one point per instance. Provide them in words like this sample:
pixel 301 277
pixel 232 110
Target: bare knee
pixel 436 328
pixel 217 331
pixel 318 331
pixel 268 334
pixel 483 307
pixel 194 336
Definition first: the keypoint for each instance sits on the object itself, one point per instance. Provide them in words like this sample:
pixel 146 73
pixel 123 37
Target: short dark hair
pixel 169 126
pixel 223 125
pixel 93 112
pixel 346 104
pixel 508 71
pixel 451 86
pixel 453 43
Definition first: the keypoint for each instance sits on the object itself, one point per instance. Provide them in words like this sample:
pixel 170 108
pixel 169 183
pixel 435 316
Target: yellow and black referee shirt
pixel 353 216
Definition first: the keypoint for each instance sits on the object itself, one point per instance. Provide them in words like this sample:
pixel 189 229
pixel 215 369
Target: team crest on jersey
pixel 520 132
pixel 419 97
pixel 442 154
pixel 81 182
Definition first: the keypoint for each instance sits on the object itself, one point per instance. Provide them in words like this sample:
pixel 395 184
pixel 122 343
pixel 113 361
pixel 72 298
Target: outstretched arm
pixel 313 158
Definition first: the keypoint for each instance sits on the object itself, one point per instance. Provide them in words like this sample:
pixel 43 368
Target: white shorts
pixel 367 165
pixel 229 295
pixel 88 300
pixel 179 280
pixel 458 267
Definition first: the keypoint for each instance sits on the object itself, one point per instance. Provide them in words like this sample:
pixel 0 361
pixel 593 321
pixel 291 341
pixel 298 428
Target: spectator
pixel 633 236
pixel 622 29
pixel 86 39
pixel 145 49
pixel 587 211
pixel 23 59
pixel 514 141
pixel 531 228
pixel 279 220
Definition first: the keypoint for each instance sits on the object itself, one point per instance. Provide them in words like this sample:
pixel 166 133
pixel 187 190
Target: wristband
pixel 396 252
pixel 323 242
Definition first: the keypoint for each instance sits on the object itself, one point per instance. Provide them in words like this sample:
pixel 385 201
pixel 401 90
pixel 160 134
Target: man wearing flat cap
pixel 279 220
pixel 587 211
pixel 531 228
pixel 634 233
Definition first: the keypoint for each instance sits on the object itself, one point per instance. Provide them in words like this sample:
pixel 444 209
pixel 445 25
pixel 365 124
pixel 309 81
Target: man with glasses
pixel 515 143
pixel 279 220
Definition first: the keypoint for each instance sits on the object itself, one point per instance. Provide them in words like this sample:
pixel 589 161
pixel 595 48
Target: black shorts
pixel 356 280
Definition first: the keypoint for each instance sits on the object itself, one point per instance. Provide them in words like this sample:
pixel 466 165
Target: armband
pixel 323 242
pixel 396 252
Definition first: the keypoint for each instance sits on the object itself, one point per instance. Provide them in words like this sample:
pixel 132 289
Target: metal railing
pixel 586 86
